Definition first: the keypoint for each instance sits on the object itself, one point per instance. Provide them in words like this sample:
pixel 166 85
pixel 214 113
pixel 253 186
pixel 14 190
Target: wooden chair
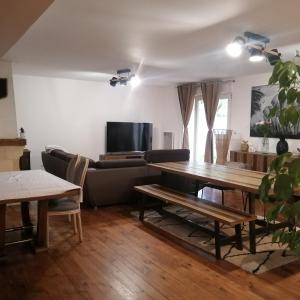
pixel 76 173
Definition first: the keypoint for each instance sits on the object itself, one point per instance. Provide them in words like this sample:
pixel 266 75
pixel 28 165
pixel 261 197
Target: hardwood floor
pixel 121 259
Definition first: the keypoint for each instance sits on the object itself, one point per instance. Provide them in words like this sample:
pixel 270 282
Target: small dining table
pixel 32 185
pixel 223 176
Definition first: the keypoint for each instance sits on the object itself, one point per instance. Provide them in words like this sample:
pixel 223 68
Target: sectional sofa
pixel 111 181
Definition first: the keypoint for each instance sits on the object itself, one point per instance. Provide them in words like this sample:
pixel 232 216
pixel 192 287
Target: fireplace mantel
pixel 12 142
pixel 10 152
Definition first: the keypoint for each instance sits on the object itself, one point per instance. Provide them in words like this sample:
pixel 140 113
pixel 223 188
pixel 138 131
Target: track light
pixel 273 56
pixel 256 54
pixel 256 46
pixel 123 77
pixel 135 81
pixel 235 48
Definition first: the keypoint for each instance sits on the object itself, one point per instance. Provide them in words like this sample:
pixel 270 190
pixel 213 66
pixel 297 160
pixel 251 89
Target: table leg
pixel 42 225
pixel 142 208
pixel 252 235
pixel 197 187
pixel 2 228
pixel 25 214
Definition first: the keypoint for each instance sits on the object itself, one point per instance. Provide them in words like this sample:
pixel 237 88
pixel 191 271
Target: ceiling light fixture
pixel 256 55
pixel 123 77
pixel 235 48
pixel 256 46
pixel 135 81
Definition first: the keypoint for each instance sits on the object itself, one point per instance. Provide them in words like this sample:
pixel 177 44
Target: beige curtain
pixel 186 95
pixel 210 95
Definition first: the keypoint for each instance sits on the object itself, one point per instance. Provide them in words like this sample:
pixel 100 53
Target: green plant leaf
pixel 283 187
pixel 294 171
pixel 282 96
pixel 264 188
pixel 278 163
pixel 298 97
pixel 273 212
pixel 291 95
pixel 292 115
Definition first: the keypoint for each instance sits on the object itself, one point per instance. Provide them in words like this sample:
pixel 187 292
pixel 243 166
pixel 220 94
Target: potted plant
pixel 283 178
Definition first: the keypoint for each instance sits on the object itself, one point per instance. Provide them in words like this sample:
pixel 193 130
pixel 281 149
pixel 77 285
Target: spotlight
pixel 135 81
pixel 235 48
pixel 113 81
pixel 256 55
pixel 273 56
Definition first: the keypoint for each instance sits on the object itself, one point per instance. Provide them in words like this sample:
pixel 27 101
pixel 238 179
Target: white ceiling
pixel 167 41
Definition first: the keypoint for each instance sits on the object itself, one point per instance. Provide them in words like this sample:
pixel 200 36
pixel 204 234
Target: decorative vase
pixel 265 145
pixel 282 146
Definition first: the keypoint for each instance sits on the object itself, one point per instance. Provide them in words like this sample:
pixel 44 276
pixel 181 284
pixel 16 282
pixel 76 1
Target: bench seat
pixel 213 211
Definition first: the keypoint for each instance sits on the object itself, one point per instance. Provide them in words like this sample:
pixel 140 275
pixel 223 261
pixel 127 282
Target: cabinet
pixel 256 161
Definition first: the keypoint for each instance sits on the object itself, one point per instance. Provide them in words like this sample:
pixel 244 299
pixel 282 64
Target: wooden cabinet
pixel 256 161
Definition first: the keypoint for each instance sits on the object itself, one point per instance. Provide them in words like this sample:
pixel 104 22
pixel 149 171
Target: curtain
pixel 210 95
pixel 186 95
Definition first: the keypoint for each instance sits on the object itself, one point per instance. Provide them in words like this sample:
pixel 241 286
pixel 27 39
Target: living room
pixel 79 79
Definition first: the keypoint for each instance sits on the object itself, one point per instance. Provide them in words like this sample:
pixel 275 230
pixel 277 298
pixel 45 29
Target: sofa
pixel 111 181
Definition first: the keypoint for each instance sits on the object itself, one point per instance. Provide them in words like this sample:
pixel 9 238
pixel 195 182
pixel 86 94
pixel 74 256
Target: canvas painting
pixel 262 98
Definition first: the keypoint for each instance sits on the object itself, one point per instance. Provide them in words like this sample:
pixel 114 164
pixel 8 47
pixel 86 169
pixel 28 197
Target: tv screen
pixel 127 136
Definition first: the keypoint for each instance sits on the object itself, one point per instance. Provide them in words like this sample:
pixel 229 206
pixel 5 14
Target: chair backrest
pixel 70 173
pixel 80 171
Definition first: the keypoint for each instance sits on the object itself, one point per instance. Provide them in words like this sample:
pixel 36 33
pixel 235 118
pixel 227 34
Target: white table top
pixel 33 185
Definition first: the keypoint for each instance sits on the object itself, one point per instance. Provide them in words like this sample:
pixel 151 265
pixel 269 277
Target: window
pixel 198 129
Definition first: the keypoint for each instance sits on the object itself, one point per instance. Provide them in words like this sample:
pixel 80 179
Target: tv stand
pixel 122 155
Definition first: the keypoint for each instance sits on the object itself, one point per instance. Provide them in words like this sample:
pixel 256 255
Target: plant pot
pixel 282 146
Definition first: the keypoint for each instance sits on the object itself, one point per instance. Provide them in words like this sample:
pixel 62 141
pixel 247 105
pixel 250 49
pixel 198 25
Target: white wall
pixel 8 123
pixel 73 113
pixel 240 113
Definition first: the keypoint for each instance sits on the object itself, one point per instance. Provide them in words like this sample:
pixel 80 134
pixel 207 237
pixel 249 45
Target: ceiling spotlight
pixel 235 48
pixel 256 55
pixel 135 81
pixel 123 77
pixel 113 81
pixel 273 56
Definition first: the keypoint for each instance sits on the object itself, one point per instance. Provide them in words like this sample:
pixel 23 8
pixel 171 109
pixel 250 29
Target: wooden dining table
pixel 32 185
pixel 223 176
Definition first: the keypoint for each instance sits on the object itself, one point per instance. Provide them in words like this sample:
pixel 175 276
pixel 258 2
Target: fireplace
pixel 10 152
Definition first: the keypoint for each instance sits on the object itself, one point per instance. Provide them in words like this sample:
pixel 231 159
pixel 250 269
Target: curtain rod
pixel 199 83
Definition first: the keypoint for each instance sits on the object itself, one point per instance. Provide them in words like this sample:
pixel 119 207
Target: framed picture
pixel 262 98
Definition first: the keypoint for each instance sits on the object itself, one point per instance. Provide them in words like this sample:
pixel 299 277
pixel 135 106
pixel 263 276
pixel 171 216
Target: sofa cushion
pixel 119 163
pixel 62 155
pixel 156 156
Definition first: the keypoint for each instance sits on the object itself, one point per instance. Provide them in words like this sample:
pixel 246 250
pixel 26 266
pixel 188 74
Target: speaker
pixel 168 140
pixel 3 88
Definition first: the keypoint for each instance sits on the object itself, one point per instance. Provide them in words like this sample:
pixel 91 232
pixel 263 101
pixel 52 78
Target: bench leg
pixel 238 237
pixel 217 240
pixel 2 228
pixel 252 234
pixel 142 208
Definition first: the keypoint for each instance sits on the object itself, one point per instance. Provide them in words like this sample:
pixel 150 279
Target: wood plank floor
pixel 121 259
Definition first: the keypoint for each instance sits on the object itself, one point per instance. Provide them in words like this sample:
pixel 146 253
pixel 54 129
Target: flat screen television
pixel 128 136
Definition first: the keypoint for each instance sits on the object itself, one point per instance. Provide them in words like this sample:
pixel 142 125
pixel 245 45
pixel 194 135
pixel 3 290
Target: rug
pixel 268 255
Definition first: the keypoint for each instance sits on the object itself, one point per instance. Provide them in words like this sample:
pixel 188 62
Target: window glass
pixel 198 127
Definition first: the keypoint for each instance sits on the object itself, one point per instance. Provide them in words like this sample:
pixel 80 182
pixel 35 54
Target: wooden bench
pixel 213 211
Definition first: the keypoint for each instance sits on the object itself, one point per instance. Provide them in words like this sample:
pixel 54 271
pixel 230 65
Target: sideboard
pixel 256 161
